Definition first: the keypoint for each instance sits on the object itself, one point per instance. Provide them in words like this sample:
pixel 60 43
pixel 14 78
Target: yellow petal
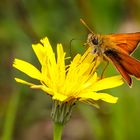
pixel 39 51
pixel 23 82
pixel 59 97
pixel 49 51
pixel 91 102
pixel 27 68
pixel 98 96
pixel 108 98
pixel 44 88
pixel 45 42
pixel 107 83
pixel 61 62
pixel 87 53
pixel 89 82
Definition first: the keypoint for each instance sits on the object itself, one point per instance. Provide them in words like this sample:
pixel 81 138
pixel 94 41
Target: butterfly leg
pixel 103 72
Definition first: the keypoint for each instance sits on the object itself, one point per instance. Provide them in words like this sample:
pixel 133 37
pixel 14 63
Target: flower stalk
pixel 58 128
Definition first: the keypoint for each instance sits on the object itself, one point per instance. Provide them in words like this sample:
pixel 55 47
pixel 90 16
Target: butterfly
pixel 117 48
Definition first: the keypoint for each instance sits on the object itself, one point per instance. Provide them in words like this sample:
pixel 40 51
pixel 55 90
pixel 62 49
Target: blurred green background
pixel 25 113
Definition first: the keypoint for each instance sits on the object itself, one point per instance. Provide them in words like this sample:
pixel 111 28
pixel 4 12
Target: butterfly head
pixel 94 41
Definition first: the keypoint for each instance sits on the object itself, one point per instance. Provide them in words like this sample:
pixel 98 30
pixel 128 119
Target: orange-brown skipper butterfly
pixel 117 48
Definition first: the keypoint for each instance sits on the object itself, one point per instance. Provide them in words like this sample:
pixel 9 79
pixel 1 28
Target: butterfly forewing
pixel 125 43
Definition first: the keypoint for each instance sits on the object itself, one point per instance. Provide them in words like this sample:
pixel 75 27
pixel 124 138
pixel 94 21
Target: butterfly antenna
pixel 71 46
pixel 70 51
pixel 84 23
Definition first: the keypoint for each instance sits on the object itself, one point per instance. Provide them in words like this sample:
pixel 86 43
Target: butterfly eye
pixel 95 41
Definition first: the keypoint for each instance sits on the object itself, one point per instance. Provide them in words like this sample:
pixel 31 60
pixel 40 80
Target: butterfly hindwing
pixel 116 60
pixel 131 65
pixel 125 64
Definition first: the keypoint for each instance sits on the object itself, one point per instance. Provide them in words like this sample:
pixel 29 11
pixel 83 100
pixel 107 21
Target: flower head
pixel 76 81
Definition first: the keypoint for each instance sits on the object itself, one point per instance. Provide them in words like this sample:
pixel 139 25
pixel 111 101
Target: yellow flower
pixel 76 81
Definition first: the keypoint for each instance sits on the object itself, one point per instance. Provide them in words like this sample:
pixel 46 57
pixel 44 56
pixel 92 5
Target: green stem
pixel 10 117
pixel 58 127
